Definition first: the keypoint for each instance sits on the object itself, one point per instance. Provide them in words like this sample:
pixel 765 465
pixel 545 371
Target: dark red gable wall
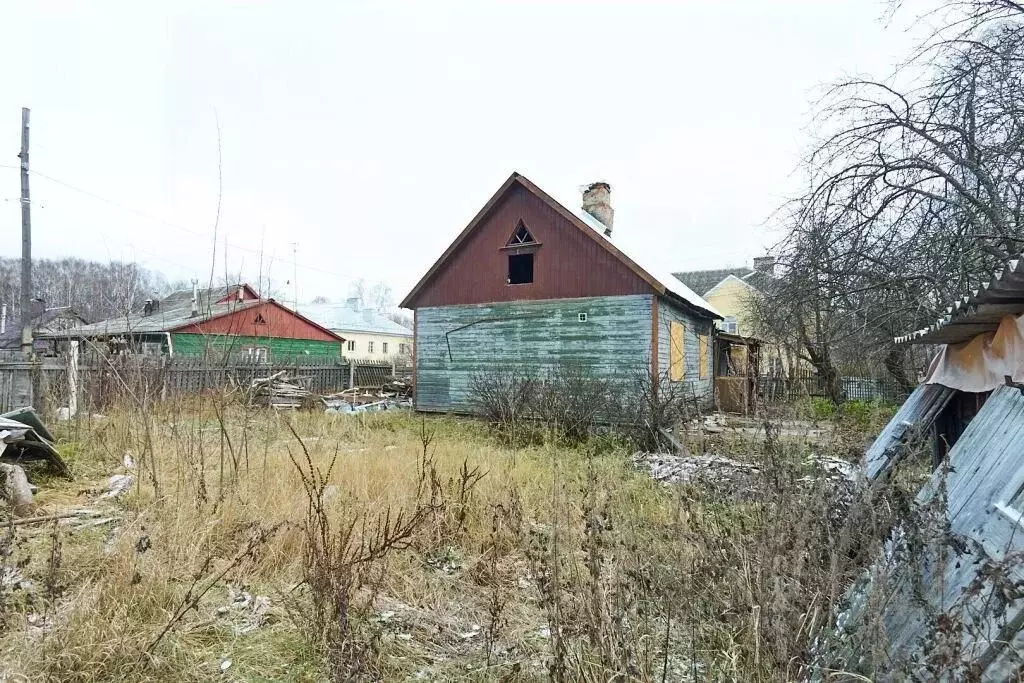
pixel 568 264
pixel 279 323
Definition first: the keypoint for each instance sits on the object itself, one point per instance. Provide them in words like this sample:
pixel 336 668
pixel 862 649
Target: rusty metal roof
pixel 978 312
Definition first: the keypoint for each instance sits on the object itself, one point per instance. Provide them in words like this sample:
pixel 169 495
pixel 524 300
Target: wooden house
pixel 231 320
pixel 531 284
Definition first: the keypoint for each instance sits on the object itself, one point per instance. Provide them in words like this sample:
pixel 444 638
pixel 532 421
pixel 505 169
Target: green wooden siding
pixel 534 335
pixel 667 313
pixel 198 344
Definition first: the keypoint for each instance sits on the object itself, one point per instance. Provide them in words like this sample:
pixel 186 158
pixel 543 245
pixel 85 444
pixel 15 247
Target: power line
pixel 155 219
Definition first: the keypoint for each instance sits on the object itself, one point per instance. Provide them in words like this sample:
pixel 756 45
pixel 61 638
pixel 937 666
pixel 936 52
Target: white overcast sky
pixel 369 133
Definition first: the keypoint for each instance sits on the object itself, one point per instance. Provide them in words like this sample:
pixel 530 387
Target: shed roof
pixel 658 277
pixel 11 336
pixel 977 312
pixel 344 318
pixel 162 320
pixel 175 312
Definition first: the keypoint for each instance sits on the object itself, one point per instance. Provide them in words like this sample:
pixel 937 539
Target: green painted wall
pixel 534 335
pixel 198 344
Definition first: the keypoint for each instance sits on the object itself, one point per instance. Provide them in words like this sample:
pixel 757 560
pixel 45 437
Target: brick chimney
pixel 597 201
pixel 765 264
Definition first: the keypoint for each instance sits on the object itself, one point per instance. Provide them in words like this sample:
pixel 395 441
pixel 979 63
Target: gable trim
pixel 725 279
pixel 410 299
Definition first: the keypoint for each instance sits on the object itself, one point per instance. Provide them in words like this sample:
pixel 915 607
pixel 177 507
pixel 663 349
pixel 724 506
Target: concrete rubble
pixel 15 490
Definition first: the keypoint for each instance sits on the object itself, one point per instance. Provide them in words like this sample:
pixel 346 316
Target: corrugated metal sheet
pixel 455 342
pixel 907 429
pixel 952 594
pixel 667 313
pixel 978 312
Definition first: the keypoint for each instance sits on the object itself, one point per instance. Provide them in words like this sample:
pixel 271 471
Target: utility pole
pixel 295 275
pixel 26 241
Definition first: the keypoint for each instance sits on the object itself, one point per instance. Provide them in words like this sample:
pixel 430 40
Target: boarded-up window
pixel 677 351
pixel 703 345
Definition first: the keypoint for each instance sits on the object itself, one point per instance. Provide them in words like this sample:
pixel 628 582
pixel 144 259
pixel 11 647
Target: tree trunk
pixel 895 364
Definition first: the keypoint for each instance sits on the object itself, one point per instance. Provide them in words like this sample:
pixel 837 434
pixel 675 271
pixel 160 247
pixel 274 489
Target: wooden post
pixel 73 380
pixel 26 241
pixel 351 373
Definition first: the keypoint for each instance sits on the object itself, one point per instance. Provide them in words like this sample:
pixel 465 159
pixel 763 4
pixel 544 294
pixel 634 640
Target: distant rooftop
pixel 349 317
pixel 703 281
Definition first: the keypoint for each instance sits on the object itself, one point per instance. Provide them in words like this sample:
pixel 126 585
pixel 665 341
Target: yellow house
pixel 368 334
pixel 732 291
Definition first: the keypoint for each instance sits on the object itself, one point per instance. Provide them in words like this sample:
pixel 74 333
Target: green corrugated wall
pixel 198 344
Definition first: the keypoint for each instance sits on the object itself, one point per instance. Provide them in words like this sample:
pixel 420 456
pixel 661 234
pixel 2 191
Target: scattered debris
pixel 70 514
pixel 14 488
pixel 118 485
pixel 678 469
pixel 248 612
pixel 27 438
pixel 472 633
pixel 394 393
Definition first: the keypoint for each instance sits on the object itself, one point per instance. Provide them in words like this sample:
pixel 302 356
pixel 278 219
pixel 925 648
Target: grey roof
pixel 704 281
pixel 343 318
pixel 977 312
pixel 159 321
pixel 174 311
pixel 11 337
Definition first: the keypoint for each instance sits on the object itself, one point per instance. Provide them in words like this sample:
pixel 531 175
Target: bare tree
pixel 917 194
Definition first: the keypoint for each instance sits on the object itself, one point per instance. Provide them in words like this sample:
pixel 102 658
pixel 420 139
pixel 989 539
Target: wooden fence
pixel 101 381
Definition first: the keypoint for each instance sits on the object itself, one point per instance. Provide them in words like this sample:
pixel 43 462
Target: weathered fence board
pixel 101 381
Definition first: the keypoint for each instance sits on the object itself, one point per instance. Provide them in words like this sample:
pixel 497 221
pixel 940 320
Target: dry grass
pixel 563 564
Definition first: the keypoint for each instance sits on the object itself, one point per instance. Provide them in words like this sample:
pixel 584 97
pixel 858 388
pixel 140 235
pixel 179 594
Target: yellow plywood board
pixel 703 346
pixel 677 351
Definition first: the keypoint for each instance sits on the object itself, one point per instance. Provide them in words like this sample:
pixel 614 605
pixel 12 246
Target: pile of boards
pixel 284 392
pixel 394 393
pixel 278 391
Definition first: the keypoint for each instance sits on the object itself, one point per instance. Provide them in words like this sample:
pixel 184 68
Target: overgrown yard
pixel 303 546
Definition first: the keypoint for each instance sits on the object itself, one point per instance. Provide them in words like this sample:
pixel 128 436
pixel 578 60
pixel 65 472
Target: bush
pixel 822 408
pixel 865 415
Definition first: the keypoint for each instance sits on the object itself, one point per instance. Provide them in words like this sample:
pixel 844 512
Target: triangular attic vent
pixel 521 236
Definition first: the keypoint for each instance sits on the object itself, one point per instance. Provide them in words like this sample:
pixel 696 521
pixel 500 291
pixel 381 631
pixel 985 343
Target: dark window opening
pixel 520 269
pixel 260 320
pixel 521 236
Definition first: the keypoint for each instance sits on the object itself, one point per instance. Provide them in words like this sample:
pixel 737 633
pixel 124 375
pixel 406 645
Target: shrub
pixel 822 408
